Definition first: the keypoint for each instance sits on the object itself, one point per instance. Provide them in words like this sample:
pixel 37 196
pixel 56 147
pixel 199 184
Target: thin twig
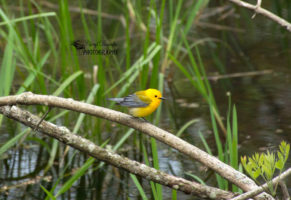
pixel 259 3
pixel 32 181
pixel 235 75
pixel 86 11
pixel 219 27
pixel 262 11
pixel 240 74
pixel 263 187
pixel 43 117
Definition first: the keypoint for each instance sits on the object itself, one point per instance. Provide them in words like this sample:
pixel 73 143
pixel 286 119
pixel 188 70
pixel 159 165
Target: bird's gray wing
pixel 131 101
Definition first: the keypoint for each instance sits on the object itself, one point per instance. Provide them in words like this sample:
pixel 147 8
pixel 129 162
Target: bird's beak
pixel 163 98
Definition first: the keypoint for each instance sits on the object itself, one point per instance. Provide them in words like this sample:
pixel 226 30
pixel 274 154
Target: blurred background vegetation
pixel 204 55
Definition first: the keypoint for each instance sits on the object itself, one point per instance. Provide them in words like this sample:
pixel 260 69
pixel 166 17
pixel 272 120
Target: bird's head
pixel 155 94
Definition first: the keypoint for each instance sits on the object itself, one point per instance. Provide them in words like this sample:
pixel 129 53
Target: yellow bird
pixel 141 103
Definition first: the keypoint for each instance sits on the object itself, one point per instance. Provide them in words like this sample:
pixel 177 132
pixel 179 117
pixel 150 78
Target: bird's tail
pixel 117 100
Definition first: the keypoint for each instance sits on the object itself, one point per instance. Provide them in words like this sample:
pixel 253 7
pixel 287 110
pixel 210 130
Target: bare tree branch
pixel 64 135
pixel 30 181
pixel 259 10
pixel 285 193
pixel 263 187
pixel 184 147
pixel 259 3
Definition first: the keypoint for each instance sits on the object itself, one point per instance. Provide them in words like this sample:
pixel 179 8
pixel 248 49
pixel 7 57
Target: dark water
pixel 262 102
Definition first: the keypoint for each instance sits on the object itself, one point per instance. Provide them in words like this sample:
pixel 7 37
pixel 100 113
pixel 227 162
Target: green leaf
pixel 282 146
pixel 280 156
pixel 35 16
pixel 261 159
pixel 185 126
pixel 257 173
pixel 12 142
pixel 76 176
pixel 197 178
pixel 279 164
pixel 139 187
pixel 267 172
pixel 67 82
pixel 49 194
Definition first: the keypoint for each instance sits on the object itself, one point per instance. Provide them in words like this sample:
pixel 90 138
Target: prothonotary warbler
pixel 141 103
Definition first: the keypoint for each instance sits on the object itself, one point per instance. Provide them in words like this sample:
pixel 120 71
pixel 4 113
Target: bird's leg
pixel 141 118
pixel 145 120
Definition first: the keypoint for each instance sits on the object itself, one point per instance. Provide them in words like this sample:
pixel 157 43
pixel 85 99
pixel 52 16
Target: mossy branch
pixel 184 147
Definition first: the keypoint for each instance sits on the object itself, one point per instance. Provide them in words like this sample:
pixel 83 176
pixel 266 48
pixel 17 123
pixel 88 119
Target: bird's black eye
pixel 156 96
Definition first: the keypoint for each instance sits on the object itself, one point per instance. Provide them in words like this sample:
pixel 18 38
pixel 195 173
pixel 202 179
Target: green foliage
pixel 185 126
pixel 229 154
pixel 265 164
pixel 139 187
pixel 48 193
pixel 80 172
pixel 10 143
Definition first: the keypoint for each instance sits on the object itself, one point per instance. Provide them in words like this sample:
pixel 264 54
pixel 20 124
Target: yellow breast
pixel 145 111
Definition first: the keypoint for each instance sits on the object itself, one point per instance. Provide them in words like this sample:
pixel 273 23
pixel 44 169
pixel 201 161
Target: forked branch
pixel 64 135
pixel 259 10
pixel 184 147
